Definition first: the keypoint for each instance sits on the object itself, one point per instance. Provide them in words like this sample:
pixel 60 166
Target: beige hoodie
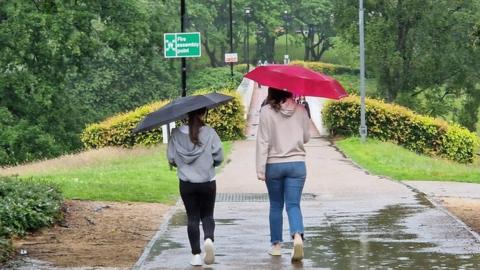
pixel 281 135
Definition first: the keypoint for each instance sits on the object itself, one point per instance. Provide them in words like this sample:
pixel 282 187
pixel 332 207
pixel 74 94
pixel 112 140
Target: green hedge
pixel 330 69
pixel 228 119
pixel 117 130
pixel 25 206
pixel 389 122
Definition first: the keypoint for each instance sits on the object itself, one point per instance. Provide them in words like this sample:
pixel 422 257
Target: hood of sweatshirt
pixel 187 151
pixel 287 108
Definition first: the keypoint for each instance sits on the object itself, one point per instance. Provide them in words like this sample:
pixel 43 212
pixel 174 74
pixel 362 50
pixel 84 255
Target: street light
pixel 286 18
pixel 184 61
pixel 363 125
pixel 231 37
pixel 248 14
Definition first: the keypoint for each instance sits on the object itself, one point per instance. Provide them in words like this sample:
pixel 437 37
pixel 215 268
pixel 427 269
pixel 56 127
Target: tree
pixel 417 46
pixel 267 17
pixel 211 18
pixel 66 63
pixel 315 21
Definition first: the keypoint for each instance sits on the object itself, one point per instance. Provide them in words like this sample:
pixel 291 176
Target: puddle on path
pixel 378 241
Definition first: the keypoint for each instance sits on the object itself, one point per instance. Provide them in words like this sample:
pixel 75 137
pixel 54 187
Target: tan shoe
pixel 297 252
pixel 276 250
pixel 209 252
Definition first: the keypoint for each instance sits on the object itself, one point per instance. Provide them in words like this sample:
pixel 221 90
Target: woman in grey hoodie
pixel 195 149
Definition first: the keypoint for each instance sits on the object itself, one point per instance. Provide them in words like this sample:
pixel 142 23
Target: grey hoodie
pixel 195 163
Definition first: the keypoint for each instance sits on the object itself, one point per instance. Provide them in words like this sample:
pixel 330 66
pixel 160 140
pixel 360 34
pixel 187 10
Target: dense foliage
pixel 214 79
pixel 227 120
pixel 389 122
pixel 25 206
pixel 421 51
pixel 67 63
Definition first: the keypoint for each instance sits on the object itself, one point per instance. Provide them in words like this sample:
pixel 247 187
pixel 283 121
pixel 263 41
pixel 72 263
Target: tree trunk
pixel 222 53
pixel 306 56
pixel 210 51
pixel 259 52
pixel 469 114
pixel 270 48
pixel 321 47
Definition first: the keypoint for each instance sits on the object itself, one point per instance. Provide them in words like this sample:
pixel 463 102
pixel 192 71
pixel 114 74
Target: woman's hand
pixel 261 177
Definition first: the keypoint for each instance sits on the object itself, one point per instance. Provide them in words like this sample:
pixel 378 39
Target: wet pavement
pixel 353 220
pixel 447 189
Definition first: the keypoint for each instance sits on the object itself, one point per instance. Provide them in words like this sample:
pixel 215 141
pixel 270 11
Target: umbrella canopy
pixel 179 108
pixel 298 80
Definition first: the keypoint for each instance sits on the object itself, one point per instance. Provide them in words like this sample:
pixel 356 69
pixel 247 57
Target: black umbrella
pixel 179 109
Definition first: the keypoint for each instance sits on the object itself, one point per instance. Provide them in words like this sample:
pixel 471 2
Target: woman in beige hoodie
pixel 280 162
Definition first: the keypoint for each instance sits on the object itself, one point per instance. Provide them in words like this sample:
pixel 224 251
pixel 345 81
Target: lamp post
pixel 231 37
pixel 286 18
pixel 248 14
pixel 363 125
pixel 184 61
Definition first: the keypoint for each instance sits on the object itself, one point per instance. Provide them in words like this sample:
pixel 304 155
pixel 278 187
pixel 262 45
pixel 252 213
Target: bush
pixel 117 130
pixel 389 122
pixel 5 249
pixel 228 119
pixel 241 68
pixel 214 79
pixel 26 206
pixel 329 69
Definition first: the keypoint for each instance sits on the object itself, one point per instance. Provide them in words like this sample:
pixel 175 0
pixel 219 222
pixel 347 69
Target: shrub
pixel 228 119
pixel 117 130
pixel 330 69
pixel 25 206
pixel 241 68
pixel 214 79
pixel 389 122
pixel 5 249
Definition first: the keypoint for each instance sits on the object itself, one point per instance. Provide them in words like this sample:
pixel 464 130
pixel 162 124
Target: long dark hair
pixel 195 122
pixel 276 97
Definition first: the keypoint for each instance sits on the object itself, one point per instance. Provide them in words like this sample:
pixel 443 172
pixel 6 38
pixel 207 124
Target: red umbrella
pixel 298 80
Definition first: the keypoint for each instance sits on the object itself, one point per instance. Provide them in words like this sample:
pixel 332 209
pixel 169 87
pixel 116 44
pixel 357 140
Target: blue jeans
pixel 285 184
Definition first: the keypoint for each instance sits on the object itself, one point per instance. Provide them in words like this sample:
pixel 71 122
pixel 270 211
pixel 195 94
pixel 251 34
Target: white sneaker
pixel 196 260
pixel 209 252
pixel 297 252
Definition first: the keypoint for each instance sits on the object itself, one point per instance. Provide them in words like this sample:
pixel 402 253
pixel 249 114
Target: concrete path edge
pixel 162 229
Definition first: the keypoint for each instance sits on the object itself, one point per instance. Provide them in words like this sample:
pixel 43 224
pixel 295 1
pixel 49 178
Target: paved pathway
pixel 447 189
pixel 353 221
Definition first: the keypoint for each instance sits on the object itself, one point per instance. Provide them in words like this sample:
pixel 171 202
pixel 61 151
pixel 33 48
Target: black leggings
pixel 199 201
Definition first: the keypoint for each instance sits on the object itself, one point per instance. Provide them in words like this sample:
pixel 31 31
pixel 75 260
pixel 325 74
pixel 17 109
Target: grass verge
pixel 393 161
pixel 139 174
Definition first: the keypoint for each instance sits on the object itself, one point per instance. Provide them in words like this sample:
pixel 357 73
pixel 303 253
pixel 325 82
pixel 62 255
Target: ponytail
pixel 195 122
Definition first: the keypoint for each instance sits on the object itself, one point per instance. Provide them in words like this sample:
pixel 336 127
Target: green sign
pixel 182 45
